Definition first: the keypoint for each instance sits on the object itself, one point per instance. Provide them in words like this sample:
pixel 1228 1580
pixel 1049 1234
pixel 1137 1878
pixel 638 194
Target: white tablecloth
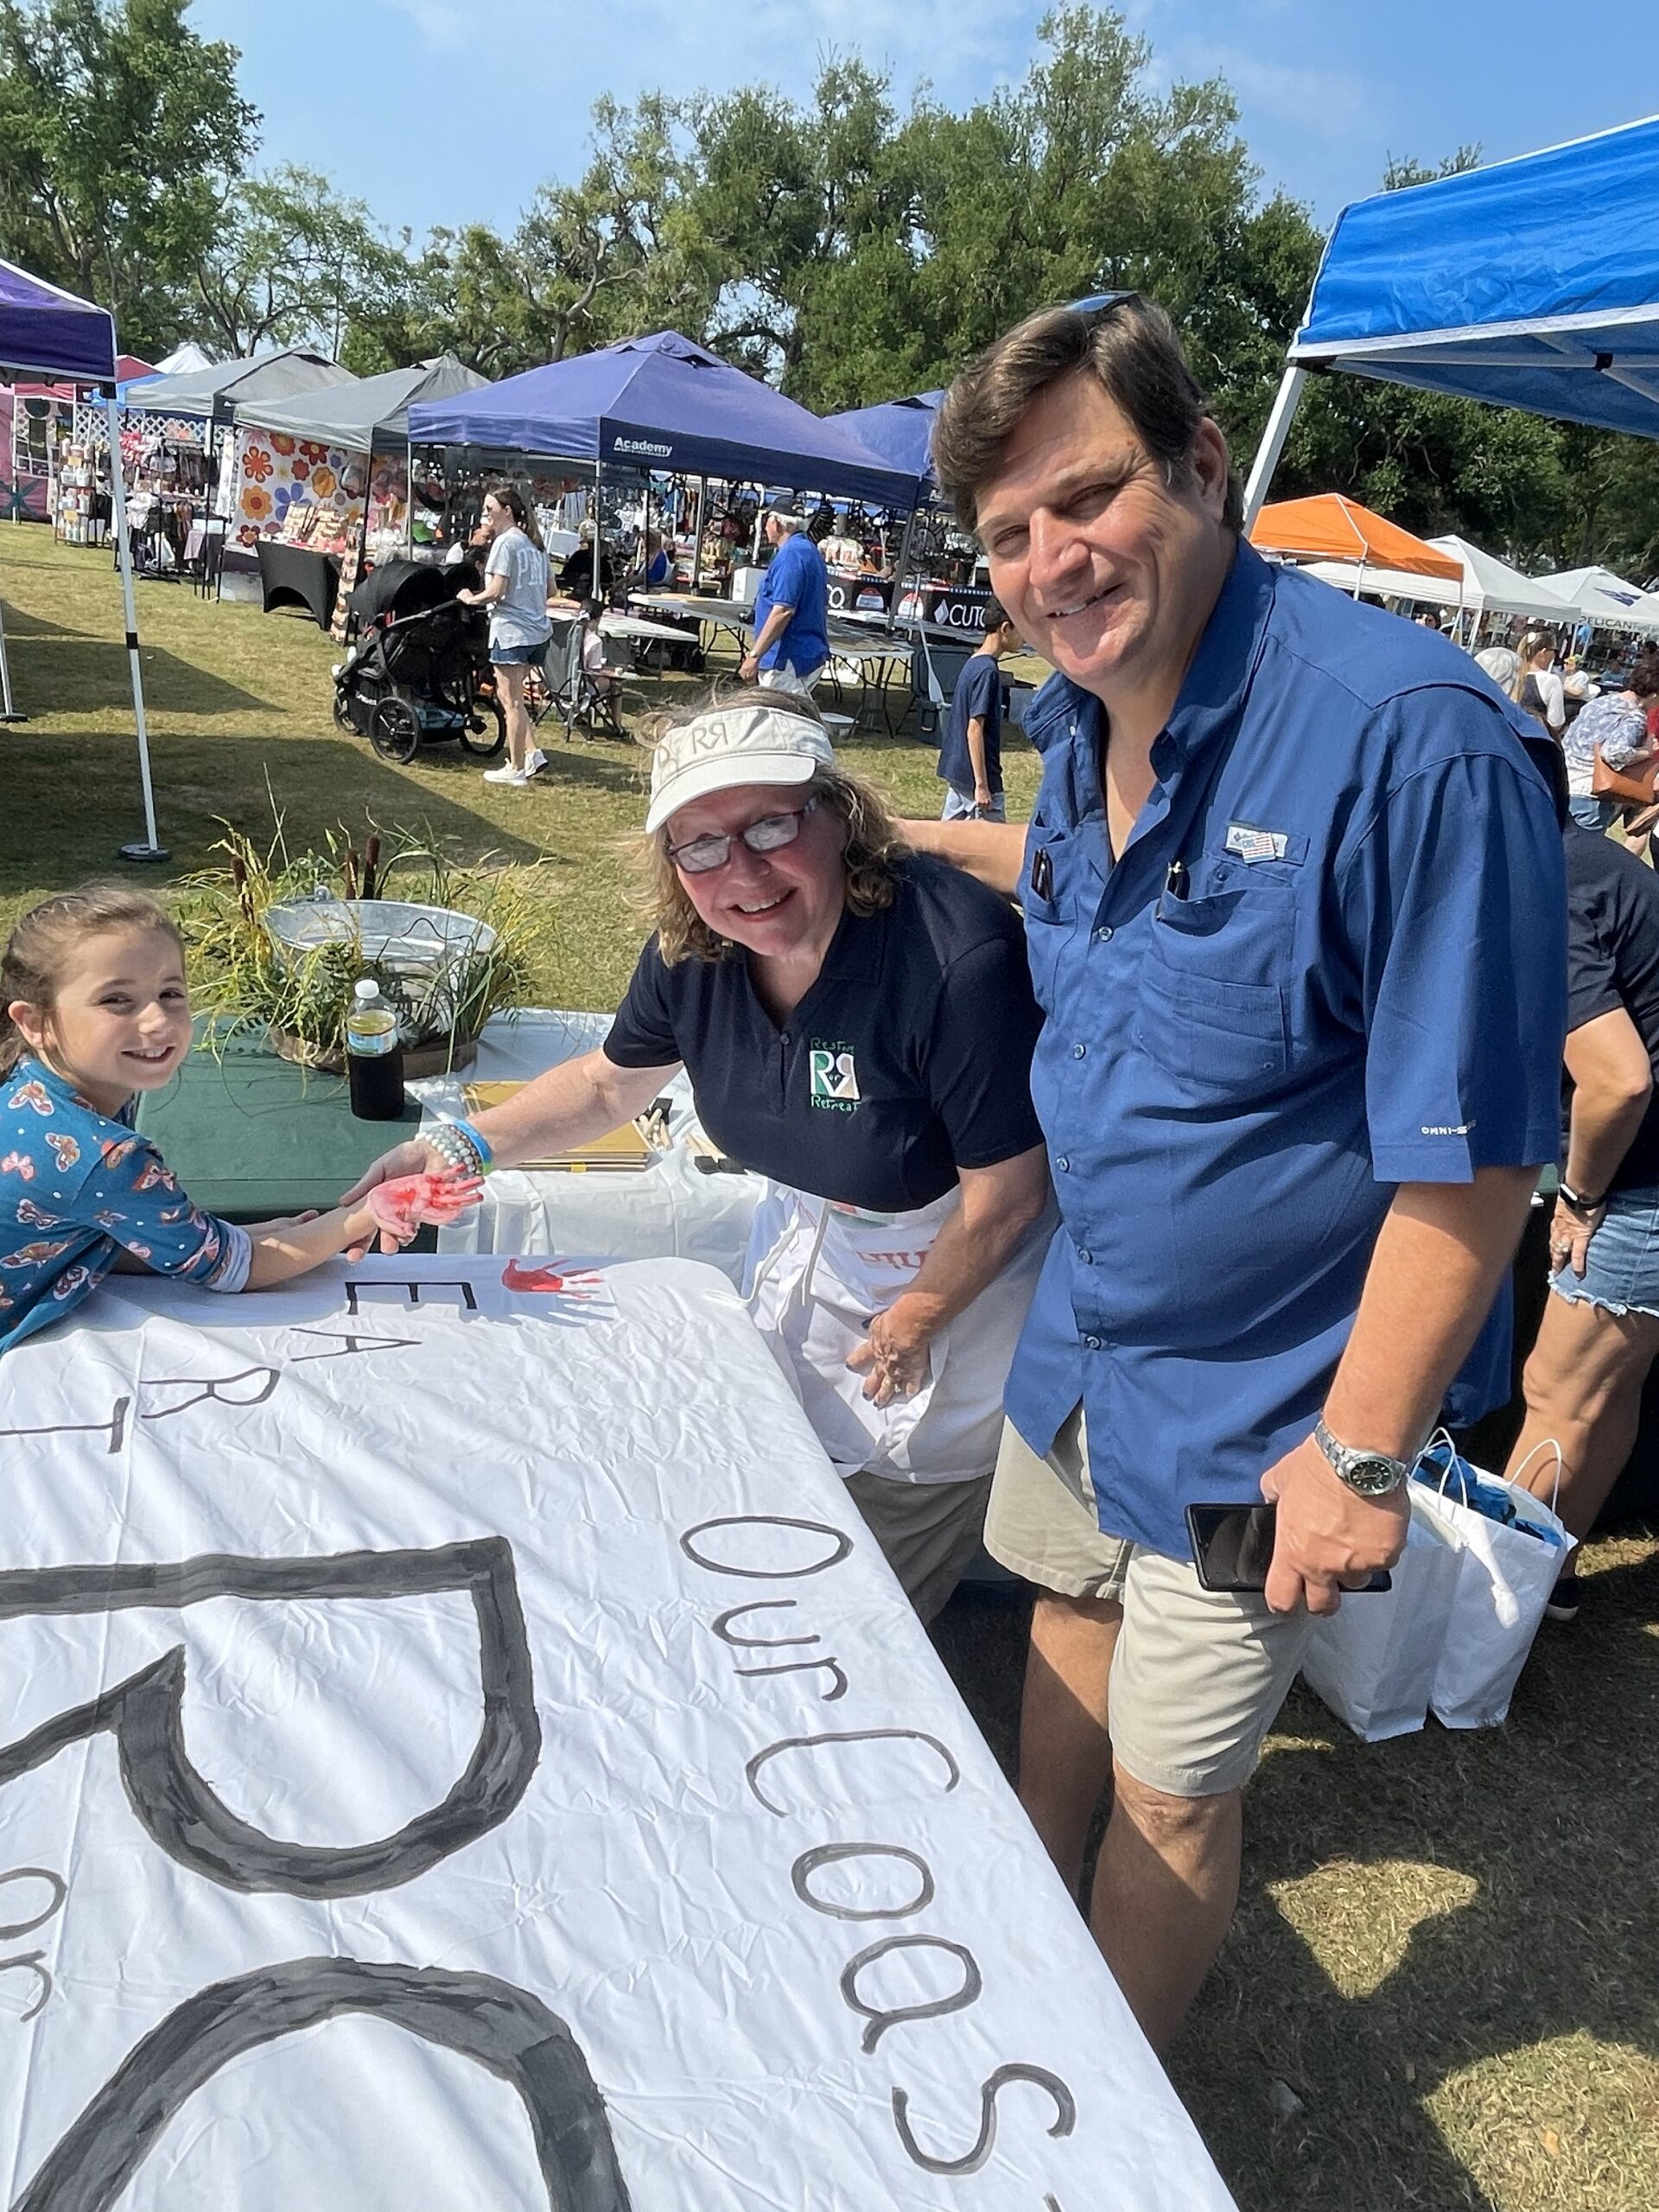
pixel 669 1210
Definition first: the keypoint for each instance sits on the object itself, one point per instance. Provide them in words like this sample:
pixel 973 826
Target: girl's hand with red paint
pixel 401 1205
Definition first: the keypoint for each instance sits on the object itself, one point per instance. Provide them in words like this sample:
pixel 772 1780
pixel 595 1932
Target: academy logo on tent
pixel 832 1078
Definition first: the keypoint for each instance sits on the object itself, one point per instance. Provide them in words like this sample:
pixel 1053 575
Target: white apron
pixel 817 1273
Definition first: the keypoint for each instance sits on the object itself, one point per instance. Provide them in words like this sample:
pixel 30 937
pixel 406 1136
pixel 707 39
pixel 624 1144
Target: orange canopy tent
pixel 1333 528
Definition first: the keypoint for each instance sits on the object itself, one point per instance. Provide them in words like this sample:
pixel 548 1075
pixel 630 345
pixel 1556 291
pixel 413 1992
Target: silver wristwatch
pixel 1368 1474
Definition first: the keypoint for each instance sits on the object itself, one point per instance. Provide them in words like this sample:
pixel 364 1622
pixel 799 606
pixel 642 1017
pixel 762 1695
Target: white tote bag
pixel 1505 1575
pixel 1373 1661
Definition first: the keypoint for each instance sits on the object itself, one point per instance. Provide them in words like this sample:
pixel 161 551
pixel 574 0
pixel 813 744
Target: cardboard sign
pixel 459 1748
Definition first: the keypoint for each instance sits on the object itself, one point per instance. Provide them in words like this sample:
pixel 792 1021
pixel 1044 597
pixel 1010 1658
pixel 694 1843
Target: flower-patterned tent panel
pixel 297 490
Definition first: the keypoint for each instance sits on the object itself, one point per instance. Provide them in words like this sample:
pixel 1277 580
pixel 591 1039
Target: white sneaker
pixel 506 774
pixel 536 763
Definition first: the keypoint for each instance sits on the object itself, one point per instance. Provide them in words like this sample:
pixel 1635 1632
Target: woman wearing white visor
pixel 857 1023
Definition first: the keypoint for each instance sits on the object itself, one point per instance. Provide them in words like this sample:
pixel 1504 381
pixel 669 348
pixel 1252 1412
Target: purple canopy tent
pixel 49 334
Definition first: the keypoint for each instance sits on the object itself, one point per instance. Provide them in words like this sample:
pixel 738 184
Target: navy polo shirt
pixel 978 693
pixel 1364 984
pixel 795 577
pixel 908 1059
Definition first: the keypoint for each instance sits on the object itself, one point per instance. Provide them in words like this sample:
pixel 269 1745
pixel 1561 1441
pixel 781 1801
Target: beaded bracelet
pixel 459 1146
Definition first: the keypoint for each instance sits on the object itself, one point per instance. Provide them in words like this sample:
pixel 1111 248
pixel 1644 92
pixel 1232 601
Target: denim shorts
pixel 1621 1269
pixel 519 655
pixel 1594 813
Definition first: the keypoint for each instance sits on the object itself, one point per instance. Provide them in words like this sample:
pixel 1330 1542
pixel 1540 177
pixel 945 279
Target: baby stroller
pixel 420 671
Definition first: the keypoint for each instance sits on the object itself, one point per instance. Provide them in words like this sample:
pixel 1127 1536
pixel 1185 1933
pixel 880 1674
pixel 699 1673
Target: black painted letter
pixel 144 1713
pixel 505 2029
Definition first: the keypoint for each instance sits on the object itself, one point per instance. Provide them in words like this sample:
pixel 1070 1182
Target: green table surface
pixel 250 1136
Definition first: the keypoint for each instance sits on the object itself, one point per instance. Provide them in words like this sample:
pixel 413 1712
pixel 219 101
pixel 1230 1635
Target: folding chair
pixel 573 694
pixel 934 672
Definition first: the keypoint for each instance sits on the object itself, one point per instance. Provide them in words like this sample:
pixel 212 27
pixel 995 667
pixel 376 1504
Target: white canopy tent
pixel 1489 587
pixel 1597 595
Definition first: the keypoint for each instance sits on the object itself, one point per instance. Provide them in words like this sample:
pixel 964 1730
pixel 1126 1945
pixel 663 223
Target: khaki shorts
pixel 786 679
pixel 1198 1675
pixel 928 1531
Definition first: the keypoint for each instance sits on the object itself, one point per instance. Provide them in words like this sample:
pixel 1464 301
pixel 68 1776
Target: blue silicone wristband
pixel 485 1152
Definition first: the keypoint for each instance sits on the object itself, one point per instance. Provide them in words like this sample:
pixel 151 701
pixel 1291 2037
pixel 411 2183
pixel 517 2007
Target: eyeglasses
pixel 703 856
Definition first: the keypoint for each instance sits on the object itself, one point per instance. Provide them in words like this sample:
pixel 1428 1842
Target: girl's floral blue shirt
pixel 77 1189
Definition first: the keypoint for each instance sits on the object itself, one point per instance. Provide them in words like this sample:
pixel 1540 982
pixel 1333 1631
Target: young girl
pixel 93 1010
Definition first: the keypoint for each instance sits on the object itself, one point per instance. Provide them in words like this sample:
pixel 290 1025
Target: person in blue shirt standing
pixel 791 608
pixel 1296 917
pixel 971 759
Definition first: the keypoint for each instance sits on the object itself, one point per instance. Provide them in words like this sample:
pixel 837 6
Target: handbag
pixel 1613 783
pixel 1373 1661
pixel 1510 1547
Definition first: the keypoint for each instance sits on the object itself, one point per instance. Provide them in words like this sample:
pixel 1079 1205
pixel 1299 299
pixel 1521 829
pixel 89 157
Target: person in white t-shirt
pixel 515 591
pixel 1538 687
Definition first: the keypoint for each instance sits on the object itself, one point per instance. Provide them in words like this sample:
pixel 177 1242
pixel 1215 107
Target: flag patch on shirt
pixel 1250 844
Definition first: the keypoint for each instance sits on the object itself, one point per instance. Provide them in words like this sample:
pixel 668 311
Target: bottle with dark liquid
pixel 374 1057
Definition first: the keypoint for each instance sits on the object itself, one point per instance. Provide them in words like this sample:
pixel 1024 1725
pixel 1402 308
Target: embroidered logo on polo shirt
pixel 832 1079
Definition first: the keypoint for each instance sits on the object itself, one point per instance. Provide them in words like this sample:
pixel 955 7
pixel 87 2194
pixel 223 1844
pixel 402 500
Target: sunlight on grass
pixel 1357 1920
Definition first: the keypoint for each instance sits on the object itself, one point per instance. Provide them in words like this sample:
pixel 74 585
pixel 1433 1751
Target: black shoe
pixel 1563 1604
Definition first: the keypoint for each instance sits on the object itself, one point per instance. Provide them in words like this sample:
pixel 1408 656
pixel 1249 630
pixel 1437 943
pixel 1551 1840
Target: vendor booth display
pixel 175 436
pixel 1531 283
pixel 45 331
pixel 327 472
pixel 660 405
pixel 37 423
pixel 40 438
pixel 520 1782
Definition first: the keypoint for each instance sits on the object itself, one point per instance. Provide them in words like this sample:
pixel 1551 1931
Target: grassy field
pixel 239 719
pixel 1442 1992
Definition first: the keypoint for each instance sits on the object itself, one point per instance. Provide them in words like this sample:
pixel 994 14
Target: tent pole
pixel 899 567
pixel 1287 401
pixel 150 848
pixel 8 710
pixel 599 531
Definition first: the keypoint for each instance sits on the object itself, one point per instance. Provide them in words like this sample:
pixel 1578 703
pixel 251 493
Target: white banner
pixel 460 1751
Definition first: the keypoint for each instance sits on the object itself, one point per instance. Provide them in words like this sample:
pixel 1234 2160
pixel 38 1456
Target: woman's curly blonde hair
pixel 872 850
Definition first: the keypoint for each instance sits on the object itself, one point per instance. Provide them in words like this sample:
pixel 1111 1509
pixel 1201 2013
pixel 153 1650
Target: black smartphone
pixel 1232 1547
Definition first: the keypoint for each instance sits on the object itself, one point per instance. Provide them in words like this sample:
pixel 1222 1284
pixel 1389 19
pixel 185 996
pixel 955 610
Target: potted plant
pixel 278 940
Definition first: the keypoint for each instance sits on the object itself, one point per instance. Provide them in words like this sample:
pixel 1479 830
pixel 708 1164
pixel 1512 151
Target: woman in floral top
pixel 93 1010
pixel 1616 724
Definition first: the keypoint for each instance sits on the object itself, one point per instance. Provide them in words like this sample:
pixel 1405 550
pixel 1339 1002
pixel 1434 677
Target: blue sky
pixel 448 111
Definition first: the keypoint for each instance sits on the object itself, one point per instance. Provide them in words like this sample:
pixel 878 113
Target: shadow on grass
pixel 70 802
pixel 1544 1826
pixel 90 675
pixel 1550 1818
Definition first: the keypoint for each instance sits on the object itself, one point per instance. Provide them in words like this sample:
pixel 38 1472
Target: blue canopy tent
pixel 899 431
pixel 47 333
pixel 661 403
pixel 1533 283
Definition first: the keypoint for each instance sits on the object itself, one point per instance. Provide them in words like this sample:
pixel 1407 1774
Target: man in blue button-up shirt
pixel 1296 917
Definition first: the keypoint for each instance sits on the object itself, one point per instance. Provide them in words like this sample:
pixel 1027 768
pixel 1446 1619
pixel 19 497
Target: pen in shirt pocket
pixel 1176 881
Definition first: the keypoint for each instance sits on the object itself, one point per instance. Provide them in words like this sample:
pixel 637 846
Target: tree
pixel 292 261
pixel 808 213
pixel 869 252
pixel 615 252
pixel 120 132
